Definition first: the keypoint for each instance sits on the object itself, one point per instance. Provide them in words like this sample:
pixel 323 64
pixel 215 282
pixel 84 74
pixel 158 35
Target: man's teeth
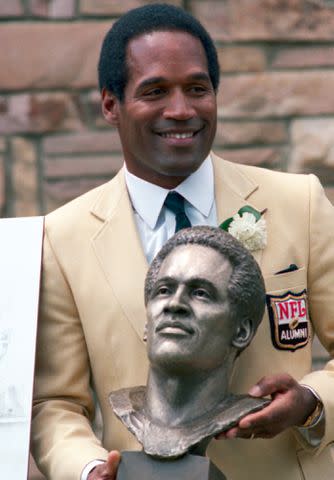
pixel 177 135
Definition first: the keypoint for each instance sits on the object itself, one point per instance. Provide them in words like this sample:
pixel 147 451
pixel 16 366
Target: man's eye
pixel 154 92
pixel 198 89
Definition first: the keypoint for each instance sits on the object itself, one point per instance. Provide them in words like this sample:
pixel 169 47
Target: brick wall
pixel 276 101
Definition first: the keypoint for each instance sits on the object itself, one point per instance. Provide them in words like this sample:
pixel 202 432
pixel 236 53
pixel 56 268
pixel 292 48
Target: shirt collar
pixel 147 198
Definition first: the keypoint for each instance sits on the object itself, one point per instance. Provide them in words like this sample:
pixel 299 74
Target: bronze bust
pixel 205 297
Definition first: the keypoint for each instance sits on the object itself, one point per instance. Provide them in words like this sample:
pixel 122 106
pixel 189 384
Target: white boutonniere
pixel 248 227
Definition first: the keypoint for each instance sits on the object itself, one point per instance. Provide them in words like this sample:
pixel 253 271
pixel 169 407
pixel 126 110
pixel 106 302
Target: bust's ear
pixel 145 333
pixel 244 334
pixel 110 107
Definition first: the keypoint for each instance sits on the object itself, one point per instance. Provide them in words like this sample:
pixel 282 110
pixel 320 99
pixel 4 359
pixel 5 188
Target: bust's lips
pixel 170 327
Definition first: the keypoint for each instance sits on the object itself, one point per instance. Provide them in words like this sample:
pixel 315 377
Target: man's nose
pixel 179 106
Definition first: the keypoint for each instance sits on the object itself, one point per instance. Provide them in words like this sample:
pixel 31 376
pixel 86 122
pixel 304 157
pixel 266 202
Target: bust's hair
pixel 246 291
pixel 112 68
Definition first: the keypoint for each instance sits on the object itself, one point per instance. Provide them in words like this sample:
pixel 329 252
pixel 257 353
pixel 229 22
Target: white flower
pixel 251 233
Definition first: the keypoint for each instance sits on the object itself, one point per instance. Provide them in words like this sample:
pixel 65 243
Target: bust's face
pixel 190 325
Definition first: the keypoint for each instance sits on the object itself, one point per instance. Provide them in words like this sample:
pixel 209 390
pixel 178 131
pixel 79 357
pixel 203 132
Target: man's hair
pixel 112 68
pixel 246 291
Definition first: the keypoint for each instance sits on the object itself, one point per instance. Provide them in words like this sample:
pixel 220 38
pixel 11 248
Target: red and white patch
pixel 289 320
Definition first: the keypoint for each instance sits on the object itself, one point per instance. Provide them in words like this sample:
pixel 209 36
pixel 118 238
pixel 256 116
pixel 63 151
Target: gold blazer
pixel 92 318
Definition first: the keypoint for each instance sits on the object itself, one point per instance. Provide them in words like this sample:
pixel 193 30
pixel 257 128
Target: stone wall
pixel 276 105
pixel 276 101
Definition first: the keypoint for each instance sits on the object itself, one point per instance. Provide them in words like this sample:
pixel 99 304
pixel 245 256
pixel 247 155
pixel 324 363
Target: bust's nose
pixel 177 302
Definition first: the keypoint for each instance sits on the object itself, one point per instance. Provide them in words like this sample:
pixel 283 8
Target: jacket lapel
pixel 119 252
pixel 233 190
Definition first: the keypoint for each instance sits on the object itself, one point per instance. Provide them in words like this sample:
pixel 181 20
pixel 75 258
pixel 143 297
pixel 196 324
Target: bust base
pixel 189 467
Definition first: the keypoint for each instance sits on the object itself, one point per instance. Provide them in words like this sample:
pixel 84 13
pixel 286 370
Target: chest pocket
pixel 295 281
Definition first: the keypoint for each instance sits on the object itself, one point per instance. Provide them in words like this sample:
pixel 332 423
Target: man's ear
pixel 244 334
pixel 110 107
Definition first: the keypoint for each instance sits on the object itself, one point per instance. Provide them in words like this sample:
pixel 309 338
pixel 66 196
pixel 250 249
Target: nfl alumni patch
pixel 289 320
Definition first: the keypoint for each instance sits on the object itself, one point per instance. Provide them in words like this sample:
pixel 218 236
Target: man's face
pixel 167 121
pixel 190 322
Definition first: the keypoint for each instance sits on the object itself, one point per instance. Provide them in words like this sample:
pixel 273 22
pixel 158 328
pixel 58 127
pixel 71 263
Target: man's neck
pixel 165 181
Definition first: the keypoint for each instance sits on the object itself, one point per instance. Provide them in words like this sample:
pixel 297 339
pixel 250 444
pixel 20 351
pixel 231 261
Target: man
pixel 204 296
pixel 159 76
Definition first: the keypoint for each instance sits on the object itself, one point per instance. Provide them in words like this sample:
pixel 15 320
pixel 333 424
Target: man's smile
pixel 177 135
pixel 179 138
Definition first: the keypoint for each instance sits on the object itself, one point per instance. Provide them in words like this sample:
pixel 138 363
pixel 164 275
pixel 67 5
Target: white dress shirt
pixel 155 223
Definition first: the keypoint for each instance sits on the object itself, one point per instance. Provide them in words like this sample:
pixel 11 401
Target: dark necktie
pixel 175 203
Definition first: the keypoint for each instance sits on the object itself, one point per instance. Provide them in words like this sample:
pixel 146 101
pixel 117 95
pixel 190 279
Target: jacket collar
pixel 232 188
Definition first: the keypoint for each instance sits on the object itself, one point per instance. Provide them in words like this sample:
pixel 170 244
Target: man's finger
pixel 272 384
pixel 231 433
pixel 112 463
pixel 264 417
pixel 107 470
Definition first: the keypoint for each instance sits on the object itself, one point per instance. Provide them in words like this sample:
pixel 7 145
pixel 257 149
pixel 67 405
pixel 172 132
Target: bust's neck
pixel 175 400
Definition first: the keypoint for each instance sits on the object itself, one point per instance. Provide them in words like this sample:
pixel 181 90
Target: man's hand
pixel 291 405
pixel 107 470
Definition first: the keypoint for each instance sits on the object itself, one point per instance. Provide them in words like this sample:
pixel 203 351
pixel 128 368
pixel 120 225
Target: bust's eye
pixel 163 290
pixel 201 293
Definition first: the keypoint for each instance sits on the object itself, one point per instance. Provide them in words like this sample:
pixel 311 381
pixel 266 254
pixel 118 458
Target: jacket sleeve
pixel 321 300
pixel 62 438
